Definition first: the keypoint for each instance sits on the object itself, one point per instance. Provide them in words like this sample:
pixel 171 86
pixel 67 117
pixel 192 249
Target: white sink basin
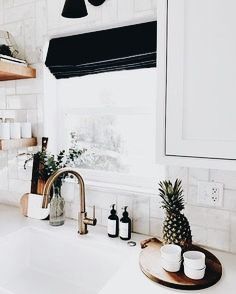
pixel 35 261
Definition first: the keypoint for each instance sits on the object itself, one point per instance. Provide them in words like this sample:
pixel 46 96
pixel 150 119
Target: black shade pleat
pixel 123 48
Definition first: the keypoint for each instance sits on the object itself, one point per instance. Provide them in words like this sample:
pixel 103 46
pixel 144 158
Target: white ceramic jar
pixel 4 131
pixel 26 130
pixel 194 264
pixel 171 258
pixel 194 259
pixel 15 130
pixel 169 266
pixel 171 252
pixel 194 274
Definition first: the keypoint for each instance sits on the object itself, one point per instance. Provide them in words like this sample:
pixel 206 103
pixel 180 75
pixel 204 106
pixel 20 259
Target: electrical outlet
pixel 210 193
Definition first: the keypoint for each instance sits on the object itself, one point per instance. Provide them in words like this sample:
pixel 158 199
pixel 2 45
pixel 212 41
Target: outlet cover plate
pixel 210 193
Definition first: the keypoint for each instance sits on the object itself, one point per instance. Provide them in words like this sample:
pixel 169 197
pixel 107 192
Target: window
pixel 113 116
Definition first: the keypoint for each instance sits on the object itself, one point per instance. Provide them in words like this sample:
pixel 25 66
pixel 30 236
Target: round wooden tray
pixel 150 265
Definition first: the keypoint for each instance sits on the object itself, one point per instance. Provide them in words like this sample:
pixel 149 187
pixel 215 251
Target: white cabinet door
pixel 200 106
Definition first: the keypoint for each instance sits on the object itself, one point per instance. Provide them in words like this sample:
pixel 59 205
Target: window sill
pixel 108 187
pixel 114 188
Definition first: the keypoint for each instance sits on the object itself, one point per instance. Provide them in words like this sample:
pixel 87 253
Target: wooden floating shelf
pixel 12 71
pixel 17 143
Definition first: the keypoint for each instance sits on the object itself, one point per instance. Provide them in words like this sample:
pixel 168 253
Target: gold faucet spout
pixel 84 221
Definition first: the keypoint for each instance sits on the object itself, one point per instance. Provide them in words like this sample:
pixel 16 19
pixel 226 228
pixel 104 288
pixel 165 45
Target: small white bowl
pixel 171 266
pixel 194 259
pixel 194 274
pixel 171 252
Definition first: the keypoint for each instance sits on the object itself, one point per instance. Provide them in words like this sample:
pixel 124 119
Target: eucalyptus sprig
pixel 50 163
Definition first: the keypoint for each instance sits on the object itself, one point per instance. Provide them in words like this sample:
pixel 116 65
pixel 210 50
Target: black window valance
pixel 129 47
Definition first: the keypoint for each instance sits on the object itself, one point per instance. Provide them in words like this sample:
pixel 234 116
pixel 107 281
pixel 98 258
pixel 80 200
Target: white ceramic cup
pixel 15 130
pixel 195 274
pixel 171 266
pixel 194 259
pixel 26 130
pixel 4 131
pixel 171 252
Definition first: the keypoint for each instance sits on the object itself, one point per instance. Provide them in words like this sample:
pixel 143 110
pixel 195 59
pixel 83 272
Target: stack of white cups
pixel 14 130
pixel 4 130
pixel 171 257
pixel 194 264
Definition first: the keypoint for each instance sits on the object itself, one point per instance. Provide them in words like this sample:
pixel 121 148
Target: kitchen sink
pixel 38 261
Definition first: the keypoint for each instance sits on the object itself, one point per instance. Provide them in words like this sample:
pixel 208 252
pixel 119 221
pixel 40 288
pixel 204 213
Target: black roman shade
pixel 123 48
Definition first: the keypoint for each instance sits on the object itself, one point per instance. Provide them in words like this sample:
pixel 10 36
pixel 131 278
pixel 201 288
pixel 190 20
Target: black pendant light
pixel 74 9
pixel 77 8
pixel 96 2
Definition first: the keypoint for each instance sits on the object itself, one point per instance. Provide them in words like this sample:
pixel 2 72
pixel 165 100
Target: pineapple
pixel 176 228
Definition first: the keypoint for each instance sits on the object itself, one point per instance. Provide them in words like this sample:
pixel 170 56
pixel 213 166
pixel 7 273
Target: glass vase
pixel 57 208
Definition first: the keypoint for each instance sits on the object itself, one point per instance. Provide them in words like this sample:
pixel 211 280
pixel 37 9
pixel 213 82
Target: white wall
pixel 33 22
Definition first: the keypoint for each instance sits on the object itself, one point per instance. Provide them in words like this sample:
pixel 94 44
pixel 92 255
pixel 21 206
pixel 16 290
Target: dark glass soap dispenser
pixel 113 223
pixel 125 225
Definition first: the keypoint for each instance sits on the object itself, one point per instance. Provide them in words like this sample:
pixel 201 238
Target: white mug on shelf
pixel 15 130
pixel 4 131
pixel 26 130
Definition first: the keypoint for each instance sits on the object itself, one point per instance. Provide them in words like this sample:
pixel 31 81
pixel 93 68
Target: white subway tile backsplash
pixel 4 178
pixel 28 86
pixel 233 232
pixel 1 12
pixel 21 101
pixel 156 226
pixel 100 199
pixel 8 3
pixel 156 210
pixel 218 219
pixel 125 10
pixel 40 26
pixel 19 186
pixel 21 2
pixel 18 13
pixel 198 174
pixel 229 200
pixel 228 178
pixel 199 234
pixel 105 215
pixel 30 41
pixel 109 11
pixel 140 212
pixel 196 215
pixel 17 115
pixel 2 98
pixel 193 195
pixel 10 87
pixel 141 5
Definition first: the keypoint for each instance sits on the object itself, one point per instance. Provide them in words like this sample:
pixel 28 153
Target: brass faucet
pixel 84 221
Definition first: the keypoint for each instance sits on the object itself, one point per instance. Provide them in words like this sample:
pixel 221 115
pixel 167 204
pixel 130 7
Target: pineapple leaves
pixel 176 228
pixel 172 196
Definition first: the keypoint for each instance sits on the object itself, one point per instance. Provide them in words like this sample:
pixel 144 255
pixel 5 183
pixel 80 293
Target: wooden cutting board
pixel 150 264
pixel 37 184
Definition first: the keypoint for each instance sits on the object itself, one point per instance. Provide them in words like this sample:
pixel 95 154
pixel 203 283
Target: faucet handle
pixel 94 220
pixel 91 221
pixel 94 212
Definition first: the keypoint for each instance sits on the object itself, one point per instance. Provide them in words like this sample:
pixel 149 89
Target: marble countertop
pixel 129 278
